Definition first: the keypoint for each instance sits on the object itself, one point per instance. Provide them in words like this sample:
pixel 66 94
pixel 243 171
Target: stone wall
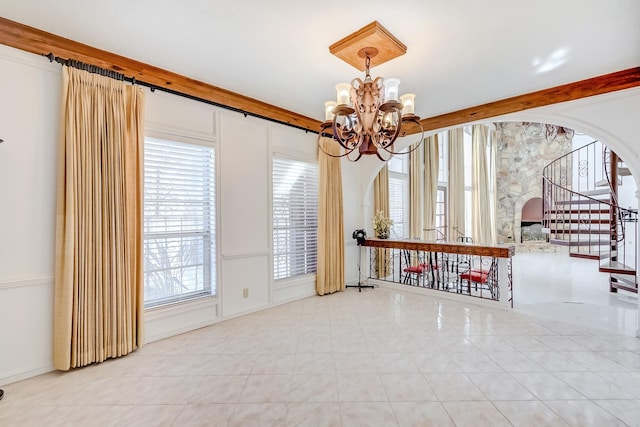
pixel 522 153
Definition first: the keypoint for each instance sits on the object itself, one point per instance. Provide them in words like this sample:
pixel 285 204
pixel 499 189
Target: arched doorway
pixel 577 302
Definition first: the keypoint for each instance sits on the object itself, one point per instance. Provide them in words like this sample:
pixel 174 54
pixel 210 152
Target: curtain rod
pixel 118 76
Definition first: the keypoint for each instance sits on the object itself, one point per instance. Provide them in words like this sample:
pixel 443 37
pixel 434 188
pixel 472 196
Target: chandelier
pixel 367 116
pixel 551 132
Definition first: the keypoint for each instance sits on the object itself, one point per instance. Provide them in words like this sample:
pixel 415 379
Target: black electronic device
pixel 360 235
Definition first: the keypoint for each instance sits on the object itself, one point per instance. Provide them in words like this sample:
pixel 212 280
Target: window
pixel 295 217
pixel 443 186
pixel 179 222
pixel 441 213
pixel 399 195
pixel 443 158
pixel 467 180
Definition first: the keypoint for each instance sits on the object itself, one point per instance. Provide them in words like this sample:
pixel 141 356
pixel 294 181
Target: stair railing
pixel 575 217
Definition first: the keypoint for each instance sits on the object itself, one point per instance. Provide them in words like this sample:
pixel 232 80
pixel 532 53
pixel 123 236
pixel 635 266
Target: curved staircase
pixel 581 211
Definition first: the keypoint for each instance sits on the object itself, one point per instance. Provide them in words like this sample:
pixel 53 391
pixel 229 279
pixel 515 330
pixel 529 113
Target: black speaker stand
pixel 360 284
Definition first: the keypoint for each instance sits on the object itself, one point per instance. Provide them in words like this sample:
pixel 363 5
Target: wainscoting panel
pixel 26 335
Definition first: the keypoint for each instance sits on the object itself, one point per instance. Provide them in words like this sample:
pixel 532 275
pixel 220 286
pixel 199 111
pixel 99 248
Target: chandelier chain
pixel 367 64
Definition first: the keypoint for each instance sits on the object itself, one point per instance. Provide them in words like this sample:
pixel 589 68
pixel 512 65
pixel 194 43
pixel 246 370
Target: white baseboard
pixel 19 376
pixel 179 331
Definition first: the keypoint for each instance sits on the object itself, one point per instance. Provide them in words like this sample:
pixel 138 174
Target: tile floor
pixel 383 357
pixel 556 286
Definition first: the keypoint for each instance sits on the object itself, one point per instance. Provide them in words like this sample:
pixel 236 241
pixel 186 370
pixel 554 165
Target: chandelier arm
pixel 356 159
pixel 415 120
pixel 346 153
pixel 390 139
pixel 351 142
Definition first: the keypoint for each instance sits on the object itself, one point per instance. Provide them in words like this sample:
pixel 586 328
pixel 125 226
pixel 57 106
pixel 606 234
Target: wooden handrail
pixel 496 251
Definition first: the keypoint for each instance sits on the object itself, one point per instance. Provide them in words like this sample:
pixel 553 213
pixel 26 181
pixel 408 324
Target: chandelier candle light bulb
pixel 343 90
pixel 328 110
pixel 391 89
pixel 408 102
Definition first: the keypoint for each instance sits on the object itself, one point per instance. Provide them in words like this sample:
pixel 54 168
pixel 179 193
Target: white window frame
pixel 283 264
pixel 402 178
pixel 205 286
pixel 468 177
pixel 442 220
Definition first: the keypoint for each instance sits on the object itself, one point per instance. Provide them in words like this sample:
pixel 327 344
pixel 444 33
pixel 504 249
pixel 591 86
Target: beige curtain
pixel 456 184
pixel 431 166
pixel 330 268
pixel 493 184
pixel 482 222
pixel 98 309
pixel 381 191
pixel 381 203
pixel 415 193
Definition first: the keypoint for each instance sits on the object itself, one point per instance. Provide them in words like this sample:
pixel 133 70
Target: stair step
pixel 605 255
pixel 578 231
pixel 584 255
pixel 623 287
pixel 562 242
pixel 585 211
pixel 596 192
pixel 579 202
pixel 616 267
pixel 624 171
pixel 581 221
pixel 605 182
pixel 629 286
pixel 628 280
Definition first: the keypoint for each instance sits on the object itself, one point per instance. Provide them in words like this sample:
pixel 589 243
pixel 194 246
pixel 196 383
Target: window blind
pixel 399 203
pixel 179 221
pixel 295 217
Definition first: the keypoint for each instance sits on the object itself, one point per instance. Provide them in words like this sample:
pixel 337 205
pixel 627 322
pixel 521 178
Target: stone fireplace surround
pixel 520 159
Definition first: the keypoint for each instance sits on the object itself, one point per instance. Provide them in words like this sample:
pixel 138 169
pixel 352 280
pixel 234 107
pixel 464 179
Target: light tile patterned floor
pixel 382 357
pixel 557 286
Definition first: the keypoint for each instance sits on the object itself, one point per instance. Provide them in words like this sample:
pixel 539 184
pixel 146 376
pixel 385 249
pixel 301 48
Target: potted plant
pixel 382 225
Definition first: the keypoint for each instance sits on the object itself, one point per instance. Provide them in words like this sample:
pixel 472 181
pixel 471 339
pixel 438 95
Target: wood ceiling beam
pixel 612 82
pixel 41 42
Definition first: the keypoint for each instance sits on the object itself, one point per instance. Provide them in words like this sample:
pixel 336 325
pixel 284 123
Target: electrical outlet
pixel 245 293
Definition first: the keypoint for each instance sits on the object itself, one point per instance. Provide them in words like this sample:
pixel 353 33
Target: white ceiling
pixel 460 53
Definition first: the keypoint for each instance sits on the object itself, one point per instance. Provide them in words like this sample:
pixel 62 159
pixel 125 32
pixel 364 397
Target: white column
pixel 504 280
pixel 636 264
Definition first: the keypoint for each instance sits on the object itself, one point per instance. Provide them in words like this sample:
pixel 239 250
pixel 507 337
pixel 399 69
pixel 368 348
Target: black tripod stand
pixel 360 236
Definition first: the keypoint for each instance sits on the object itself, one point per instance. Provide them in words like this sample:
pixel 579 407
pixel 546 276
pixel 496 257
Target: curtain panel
pixel 415 192
pixel 98 308
pixel 456 184
pixel 483 195
pixel 431 167
pixel 381 203
pixel 330 269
